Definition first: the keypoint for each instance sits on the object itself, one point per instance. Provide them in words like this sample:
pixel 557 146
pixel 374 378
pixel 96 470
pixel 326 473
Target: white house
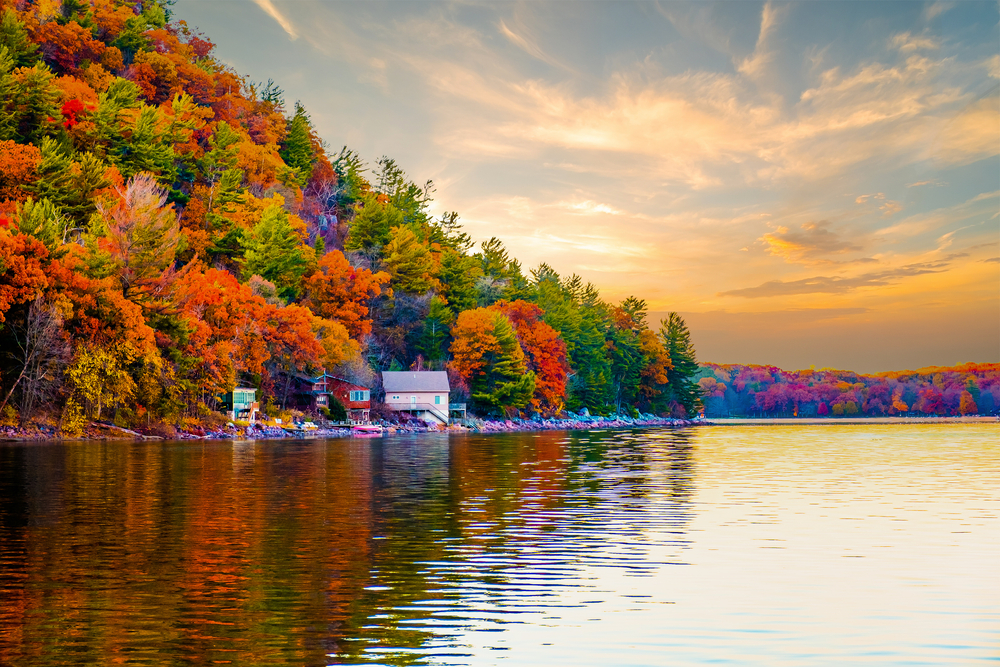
pixel 423 394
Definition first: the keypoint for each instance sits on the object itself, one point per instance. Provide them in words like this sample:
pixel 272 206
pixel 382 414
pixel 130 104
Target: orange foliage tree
pixel 17 168
pixel 94 309
pixel 230 331
pixel 141 235
pixel 967 404
pixel 544 352
pixel 656 358
pixel 487 355
pixel 21 274
pixel 338 291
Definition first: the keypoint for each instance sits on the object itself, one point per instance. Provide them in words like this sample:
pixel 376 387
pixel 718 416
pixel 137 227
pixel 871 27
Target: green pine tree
pixel 505 382
pixel 13 35
pixel 371 228
pixel 274 253
pixel 681 387
pixel 297 150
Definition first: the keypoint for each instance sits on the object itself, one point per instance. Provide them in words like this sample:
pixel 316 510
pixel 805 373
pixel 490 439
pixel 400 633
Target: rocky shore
pixel 102 431
pixel 261 432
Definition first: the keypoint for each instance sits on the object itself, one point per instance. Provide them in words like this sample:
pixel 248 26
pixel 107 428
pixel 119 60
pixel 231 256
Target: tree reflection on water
pixel 312 552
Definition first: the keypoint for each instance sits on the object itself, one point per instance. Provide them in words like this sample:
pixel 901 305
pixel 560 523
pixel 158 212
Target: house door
pixel 413 402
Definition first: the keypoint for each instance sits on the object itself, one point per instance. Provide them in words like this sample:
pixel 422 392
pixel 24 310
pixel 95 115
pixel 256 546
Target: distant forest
pixel 736 390
pixel 171 229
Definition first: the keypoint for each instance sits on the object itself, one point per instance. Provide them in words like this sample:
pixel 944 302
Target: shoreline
pixel 98 432
pixel 792 421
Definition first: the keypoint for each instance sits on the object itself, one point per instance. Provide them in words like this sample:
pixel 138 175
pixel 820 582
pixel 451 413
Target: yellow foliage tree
pixel 99 376
pixel 338 347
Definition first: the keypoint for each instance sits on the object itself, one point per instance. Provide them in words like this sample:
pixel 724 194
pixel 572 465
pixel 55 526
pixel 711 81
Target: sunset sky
pixel 813 183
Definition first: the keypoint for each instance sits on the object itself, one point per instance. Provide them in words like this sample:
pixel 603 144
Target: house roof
pixel 415 381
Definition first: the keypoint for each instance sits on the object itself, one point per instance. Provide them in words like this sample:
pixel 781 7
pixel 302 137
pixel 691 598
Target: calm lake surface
pixel 780 545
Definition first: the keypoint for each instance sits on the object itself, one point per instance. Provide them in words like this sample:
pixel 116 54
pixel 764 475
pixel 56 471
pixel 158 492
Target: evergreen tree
pixel 458 275
pixel 581 318
pixel 435 330
pixel 28 101
pixel 624 349
pixel 23 52
pixel 44 221
pixel 372 226
pixel 487 354
pixel 297 150
pixel 682 388
pixel 274 252
pixel 351 183
pixel 409 262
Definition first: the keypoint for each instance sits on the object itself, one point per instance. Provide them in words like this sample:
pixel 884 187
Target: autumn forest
pixel 171 229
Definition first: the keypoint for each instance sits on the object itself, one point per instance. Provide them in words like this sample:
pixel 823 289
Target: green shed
pixel 241 402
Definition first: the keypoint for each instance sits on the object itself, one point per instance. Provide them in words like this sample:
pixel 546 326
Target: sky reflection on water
pixel 743 545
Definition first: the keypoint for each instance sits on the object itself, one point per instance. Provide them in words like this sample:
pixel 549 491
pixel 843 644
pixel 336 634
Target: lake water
pixel 779 545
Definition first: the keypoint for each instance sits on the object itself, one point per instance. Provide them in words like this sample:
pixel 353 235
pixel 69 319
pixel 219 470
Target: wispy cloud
pixel 812 241
pixel 591 208
pixel 753 65
pixel 843 285
pixel 529 46
pixel 273 12
pixel 935 9
pixel 906 42
pixel 835 284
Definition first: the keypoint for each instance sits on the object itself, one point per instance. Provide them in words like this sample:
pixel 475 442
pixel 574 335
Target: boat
pixel 366 429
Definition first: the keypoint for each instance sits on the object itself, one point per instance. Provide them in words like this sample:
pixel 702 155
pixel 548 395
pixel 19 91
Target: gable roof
pixel 399 381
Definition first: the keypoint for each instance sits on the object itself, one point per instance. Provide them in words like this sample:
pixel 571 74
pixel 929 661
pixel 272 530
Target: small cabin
pixel 241 403
pixel 315 392
pixel 357 400
pixel 423 394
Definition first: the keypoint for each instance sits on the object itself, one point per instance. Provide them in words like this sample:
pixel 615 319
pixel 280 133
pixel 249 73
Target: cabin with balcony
pixel 422 394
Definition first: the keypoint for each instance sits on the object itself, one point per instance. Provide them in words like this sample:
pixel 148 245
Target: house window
pixel 437 400
pixel 357 396
pixel 395 398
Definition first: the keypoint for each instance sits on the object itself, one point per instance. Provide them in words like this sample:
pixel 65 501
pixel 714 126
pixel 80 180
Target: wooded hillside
pixel 170 229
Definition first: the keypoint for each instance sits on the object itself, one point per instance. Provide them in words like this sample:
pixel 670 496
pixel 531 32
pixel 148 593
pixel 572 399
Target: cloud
pixel 972 134
pixel 935 9
pixel 754 64
pixel 283 21
pixel 983 196
pixel 905 42
pixel 675 153
pixel 590 208
pixel 814 240
pixel 890 208
pixel 863 198
pixel 838 285
pixel 529 46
